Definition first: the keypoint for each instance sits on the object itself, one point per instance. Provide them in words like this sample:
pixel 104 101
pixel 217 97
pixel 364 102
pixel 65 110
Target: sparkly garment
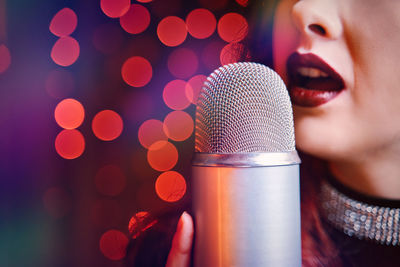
pixel 366 230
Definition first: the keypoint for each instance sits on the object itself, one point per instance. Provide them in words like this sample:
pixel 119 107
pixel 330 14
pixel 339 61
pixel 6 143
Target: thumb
pixel 179 255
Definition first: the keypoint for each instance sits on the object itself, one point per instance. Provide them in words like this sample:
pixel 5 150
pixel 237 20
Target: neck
pixel 377 175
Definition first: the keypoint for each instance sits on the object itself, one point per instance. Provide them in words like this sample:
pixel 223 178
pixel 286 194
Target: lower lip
pixel 311 98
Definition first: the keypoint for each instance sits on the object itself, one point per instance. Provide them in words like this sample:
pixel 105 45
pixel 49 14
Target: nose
pixel 317 18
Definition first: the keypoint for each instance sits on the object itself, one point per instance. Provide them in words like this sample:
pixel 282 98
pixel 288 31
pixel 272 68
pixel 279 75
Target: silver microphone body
pixel 245 182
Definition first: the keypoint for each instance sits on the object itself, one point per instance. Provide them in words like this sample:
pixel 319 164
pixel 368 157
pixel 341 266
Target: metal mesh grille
pixel 244 107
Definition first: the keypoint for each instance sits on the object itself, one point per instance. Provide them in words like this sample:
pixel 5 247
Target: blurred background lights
pixel 64 22
pixel 107 125
pixel 70 144
pixel 162 156
pixel 243 3
pixel 69 113
pixel 234 52
pixel 201 23
pixel 182 63
pixel 144 1
pixel 137 223
pixel 108 38
pixel 57 202
pixel 113 244
pixel 60 83
pixel 170 186
pixel 150 132
pixel 172 31
pixel 115 8
pixel 137 71
pixel 65 51
pixel 193 87
pixel 110 180
pixel 136 20
pixel 232 27
pixel 5 58
pixel 174 95
pixel 178 125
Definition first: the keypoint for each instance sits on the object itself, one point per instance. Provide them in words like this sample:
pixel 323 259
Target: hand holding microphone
pixel 245 171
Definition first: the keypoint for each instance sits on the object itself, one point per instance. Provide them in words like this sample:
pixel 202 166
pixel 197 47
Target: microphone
pixel 245 182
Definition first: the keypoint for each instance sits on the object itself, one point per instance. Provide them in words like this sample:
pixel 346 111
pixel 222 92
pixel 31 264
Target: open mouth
pixel 312 82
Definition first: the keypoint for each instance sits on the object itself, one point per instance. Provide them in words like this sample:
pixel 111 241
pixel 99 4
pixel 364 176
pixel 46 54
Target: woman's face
pixel 341 62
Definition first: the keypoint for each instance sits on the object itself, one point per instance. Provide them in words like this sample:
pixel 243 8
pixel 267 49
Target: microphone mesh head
pixel 244 107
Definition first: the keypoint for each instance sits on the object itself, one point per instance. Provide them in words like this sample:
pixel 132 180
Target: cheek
pixel 285 37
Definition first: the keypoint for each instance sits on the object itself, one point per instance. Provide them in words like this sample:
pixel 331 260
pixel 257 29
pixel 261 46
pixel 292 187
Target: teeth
pixel 311 72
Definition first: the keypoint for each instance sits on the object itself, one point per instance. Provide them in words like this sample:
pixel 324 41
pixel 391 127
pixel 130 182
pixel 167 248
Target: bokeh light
pixel 234 52
pixel 150 132
pixel 144 1
pixel 106 213
pixel 243 3
pixel 172 31
pixel 70 144
pixel 57 202
pixel 65 51
pixel 60 83
pixel 137 71
pixel 182 63
pixel 115 8
pixel 178 125
pixel 110 180
pixel 5 58
pixel 213 4
pixel 113 244
pixel 136 20
pixel 174 95
pixel 232 27
pixel 137 221
pixel 64 22
pixel 108 38
pixel 201 23
pixel 193 87
pixel 210 54
pixel 69 113
pixel 162 156
pixel 107 125
pixel 170 186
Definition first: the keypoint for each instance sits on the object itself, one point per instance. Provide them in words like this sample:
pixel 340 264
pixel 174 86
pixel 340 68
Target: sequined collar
pixel 364 220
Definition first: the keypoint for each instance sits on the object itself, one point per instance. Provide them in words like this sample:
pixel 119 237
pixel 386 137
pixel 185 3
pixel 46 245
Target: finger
pixel 179 255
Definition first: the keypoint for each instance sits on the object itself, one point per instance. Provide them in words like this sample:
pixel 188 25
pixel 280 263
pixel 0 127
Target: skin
pixel 357 132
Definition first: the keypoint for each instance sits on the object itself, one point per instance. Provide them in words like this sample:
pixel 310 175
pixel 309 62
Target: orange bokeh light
pixel 136 223
pixel 172 31
pixel 182 63
pixel 69 113
pixel 107 125
pixel 65 51
pixel 174 95
pixel 201 23
pixel 136 20
pixel 59 83
pixel 113 244
pixel 137 71
pixel 178 125
pixel 194 86
pixel 170 186
pixel 115 8
pixel 233 52
pixel 151 131
pixel 64 22
pixel 70 144
pixel 162 156
pixel 110 180
pixel 57 202
pixel 232 27
pixel 5 58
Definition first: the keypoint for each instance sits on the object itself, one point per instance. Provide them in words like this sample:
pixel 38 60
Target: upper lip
pixel 297 60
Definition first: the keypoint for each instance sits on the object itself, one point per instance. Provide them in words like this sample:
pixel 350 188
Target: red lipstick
pixel 312 82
